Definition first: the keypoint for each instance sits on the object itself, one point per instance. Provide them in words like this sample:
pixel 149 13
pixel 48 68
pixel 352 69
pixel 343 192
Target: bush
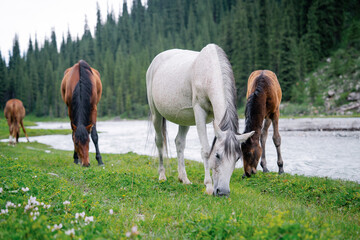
pixel 342 99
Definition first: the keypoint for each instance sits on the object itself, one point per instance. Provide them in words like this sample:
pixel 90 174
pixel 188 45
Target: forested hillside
pixel 289 37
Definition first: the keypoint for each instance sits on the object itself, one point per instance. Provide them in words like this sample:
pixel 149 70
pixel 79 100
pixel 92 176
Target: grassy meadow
pixel 43 195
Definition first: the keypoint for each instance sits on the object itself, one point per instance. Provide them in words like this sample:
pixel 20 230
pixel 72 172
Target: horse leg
pixel 159 140
pixel 11 138
pixel 95 138
pixel 22 125
pixel 277 141
pixel 17 136
pixel 200 119
pixel 263 137
pixel 180 142
pixel 76 158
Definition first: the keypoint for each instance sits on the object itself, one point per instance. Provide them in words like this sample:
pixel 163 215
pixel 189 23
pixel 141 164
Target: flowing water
pixel 306 148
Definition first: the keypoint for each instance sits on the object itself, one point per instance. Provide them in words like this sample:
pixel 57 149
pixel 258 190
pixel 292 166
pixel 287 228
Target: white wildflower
pixel 19 205
pixel 1 189
pixel 134 229
pixel 34 218
pixel 31 204
pixel 134 232
pixel 66 203
pixel 10 204
pixel 25 189
pixel 70 232
pixel 57 227
pixel 77 215
pixel 47 206
pixel 88 220
pixel 111 212
pixel 32 201
pixel 4 211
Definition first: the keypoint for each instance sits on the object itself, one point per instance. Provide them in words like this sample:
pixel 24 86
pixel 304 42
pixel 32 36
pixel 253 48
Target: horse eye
pixel 217 155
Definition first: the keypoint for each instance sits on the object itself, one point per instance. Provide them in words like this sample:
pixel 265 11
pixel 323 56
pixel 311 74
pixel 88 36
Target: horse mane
pixel 80 104
pixel 230 120
pixel 255 104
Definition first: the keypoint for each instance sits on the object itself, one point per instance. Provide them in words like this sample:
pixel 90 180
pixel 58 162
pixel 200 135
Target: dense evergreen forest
pixel 289 37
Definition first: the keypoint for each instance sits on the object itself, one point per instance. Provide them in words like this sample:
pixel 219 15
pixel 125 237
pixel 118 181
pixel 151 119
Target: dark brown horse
pixel 14 113
pixel 262 107
pixel 81 91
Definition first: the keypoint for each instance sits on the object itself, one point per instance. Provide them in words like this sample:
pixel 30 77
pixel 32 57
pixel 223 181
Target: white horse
pixel 193 88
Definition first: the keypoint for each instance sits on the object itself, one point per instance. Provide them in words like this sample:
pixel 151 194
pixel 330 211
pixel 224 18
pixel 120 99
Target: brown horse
pixel 81 91
pixel 262 107
pixel 14 113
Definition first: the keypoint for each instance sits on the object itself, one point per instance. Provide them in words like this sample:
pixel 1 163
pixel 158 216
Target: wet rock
pixel 353 96
pixel 331 93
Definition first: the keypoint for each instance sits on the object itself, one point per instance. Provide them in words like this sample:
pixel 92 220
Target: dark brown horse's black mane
pixel 254 105
pixel 81 107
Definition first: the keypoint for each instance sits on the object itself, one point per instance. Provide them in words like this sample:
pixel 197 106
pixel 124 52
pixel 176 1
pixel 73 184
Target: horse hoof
pixel 185 181
pixel 162 178
pixel 246 175
pixel 265 170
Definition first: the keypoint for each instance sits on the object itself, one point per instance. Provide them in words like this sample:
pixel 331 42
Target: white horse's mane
pixel 230 119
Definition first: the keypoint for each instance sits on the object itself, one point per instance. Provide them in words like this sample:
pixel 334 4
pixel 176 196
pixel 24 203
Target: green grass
pixel 4 129
pixel 266 206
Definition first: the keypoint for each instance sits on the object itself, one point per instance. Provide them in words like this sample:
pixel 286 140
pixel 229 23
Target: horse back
pixel 169 89
pixel 267 82
pixel 14 110
pixel 71 79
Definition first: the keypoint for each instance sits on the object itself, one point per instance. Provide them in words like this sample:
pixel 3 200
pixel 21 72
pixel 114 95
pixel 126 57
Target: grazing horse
pixel 262 108
pixel 14 113
pixel 81 91
pixel 194 88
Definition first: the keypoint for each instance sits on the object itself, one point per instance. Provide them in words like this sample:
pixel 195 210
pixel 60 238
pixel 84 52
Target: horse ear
pixel 243 137
pixel 73 127
pixel 89 127
pixel 218 132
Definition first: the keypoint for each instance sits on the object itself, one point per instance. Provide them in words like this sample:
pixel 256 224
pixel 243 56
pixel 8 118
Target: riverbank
pixel 267 206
